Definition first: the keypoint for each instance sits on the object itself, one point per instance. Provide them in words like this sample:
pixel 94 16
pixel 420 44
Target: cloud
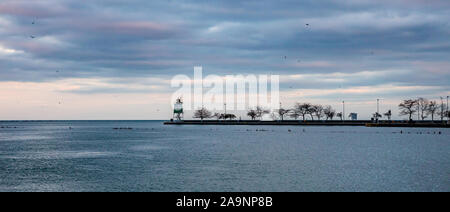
pixel 351 44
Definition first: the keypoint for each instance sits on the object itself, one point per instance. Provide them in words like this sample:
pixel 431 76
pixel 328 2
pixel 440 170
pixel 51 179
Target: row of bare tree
pixel 204 113
pixel 421 106
pixel 300 110
pixel 304 110
pixel 424 108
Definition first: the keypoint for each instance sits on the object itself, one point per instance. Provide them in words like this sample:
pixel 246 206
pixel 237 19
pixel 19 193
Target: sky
pixel 71 59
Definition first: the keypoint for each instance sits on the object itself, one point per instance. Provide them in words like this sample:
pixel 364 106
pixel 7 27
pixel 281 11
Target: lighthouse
pixel 178 110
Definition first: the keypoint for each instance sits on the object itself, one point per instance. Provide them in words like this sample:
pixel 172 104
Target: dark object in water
pixel 122 128
pixel 7 127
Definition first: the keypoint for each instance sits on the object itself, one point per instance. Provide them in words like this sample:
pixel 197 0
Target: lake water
pixel 93 156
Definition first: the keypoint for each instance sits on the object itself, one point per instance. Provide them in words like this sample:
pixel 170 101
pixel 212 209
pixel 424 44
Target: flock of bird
pixel 33 37
pixel 284 57
pixel 298 60
pixel 33 23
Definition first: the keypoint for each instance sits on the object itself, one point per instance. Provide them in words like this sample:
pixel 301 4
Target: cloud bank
pixel 326 51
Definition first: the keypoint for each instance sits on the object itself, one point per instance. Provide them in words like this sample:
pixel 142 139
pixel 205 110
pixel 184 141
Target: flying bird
pixel 32 36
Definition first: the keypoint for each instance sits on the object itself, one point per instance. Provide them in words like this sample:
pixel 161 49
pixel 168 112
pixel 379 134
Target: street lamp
pixel 378 106
pixel 442 109
pixel 343 110
pixel 378 110
pixel 447 111
pixel 225 108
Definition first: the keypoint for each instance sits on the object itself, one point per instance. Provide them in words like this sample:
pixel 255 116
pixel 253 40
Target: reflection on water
pixel 93 156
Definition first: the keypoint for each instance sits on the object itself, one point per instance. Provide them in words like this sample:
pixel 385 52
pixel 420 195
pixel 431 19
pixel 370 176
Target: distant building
pixel 353 116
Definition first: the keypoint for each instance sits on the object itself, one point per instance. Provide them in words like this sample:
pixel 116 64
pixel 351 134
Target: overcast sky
pixel 71 59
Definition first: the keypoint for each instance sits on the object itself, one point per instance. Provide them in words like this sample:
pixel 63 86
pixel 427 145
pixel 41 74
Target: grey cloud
pixel 141 38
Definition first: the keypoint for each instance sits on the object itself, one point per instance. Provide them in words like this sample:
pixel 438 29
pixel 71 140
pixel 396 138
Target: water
pixel 92 156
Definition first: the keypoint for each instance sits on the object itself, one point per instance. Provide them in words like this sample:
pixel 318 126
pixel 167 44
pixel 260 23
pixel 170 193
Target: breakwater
pixel 367 123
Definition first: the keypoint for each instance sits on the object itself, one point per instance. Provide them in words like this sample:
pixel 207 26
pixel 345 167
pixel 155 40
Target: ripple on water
pixel 58 155
pixel 148 147
pixel 24 137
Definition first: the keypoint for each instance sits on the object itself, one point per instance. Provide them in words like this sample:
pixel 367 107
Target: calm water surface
pixel 93 156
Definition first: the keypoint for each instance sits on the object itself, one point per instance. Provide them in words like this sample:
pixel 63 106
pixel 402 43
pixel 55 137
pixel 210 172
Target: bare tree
pixel 217 116
pixel 388 114
pixel 303 109
pixel 252 114
pixel 225 116
pixel 310 110
pixel 408 107
pixel 423 106
pixel 432 109
pixel 339 115
pixel 294 114
pixel 318 111
pixel 329 112
pixel 260 112
pixel 282 113
pixel 202 113
pixel 376 115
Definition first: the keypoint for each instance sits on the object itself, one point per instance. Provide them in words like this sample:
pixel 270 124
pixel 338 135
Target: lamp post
pixel 378 109
pixel 343 110
pixel 446 114
pixel 225 107
pixel 378 106
pixel 442 109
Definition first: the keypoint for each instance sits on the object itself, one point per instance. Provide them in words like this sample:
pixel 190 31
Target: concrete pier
pixel 367 123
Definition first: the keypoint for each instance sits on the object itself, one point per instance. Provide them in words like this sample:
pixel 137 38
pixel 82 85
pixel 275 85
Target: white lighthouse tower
pixel 178 113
